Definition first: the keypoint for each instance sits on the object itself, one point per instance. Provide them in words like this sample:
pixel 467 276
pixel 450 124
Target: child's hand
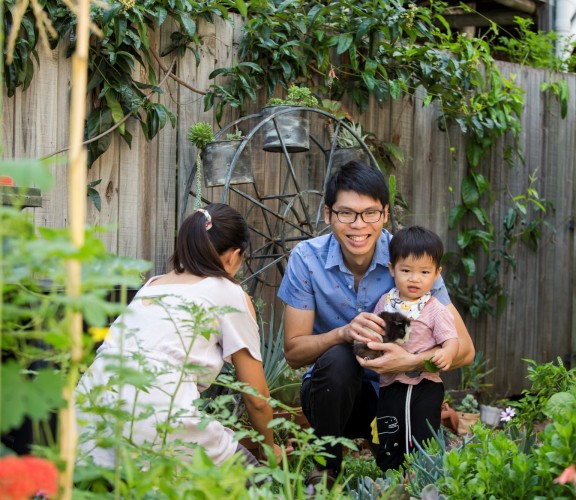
pixel 442 359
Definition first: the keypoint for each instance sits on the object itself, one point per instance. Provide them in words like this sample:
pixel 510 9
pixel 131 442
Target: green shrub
pixel 547 379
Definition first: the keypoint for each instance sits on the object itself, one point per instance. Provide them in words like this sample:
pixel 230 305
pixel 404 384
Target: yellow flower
pixel 98 333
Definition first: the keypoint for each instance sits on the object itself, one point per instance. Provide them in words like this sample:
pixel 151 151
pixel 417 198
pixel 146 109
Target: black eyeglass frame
pixel 356 214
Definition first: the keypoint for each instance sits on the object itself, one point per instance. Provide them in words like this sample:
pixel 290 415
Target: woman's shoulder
pixel 227 289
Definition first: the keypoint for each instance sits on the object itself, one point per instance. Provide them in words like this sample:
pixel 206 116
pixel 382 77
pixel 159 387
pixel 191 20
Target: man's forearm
pixel 304 350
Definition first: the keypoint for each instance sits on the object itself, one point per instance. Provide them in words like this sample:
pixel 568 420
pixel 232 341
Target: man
pixel 330 288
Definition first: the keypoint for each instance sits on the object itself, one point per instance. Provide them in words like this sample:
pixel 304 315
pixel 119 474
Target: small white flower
pixel 507 415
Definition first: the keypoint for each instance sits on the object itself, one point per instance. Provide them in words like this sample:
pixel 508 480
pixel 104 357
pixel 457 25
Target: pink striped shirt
pixel 434 325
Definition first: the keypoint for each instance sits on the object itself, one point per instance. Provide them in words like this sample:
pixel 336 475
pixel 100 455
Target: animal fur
pixel 397 330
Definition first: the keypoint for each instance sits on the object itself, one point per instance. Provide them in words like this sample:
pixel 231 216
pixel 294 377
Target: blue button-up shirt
pixel 317 279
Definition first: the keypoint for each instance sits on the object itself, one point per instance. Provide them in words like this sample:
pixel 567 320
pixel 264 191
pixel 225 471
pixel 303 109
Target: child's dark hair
pixel 199 245
pixel 360 178
pixel 416 241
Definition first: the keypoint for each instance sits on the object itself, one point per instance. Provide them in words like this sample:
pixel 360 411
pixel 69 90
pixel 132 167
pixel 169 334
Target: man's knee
pixel 341 358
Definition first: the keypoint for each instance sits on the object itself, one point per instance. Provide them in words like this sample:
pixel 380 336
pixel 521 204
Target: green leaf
pixel 188 24
pixel 33 397
pixel 469 265
pixel 561 403
pixel 115 109
pixel 344 42
pixel 430 366
pixel 242 7
pixel 95 198
pixel 395 89
pixel 474 152
pixel 470 193
pixel 392 189
pixel 455 215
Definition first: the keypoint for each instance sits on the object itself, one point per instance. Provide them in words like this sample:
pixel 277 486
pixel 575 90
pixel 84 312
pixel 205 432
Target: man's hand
pixel 394 359
pixel 366 327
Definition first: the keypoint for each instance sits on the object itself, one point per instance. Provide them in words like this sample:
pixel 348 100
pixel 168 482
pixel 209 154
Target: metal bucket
pixel 341 156
pixel 293 127
pixel 217 159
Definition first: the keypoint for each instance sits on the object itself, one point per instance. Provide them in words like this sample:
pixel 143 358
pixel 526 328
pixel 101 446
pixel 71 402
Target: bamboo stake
pixel 77 217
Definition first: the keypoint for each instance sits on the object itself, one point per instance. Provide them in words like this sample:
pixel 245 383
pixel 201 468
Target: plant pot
pixel 252 447
pixel 490 415
pixel 296 415
pixel 465 420
pixel 456 396
pixel 216 161
pixel 341 156
pixel 294 130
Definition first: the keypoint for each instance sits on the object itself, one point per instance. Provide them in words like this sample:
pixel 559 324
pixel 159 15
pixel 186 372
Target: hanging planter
pixel 292 127
pixel 288 125
pixel 341 156
pixel 217 159
pixel 348 147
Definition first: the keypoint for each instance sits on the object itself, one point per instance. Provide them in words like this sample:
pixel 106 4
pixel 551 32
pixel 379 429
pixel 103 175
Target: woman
pixel 176 321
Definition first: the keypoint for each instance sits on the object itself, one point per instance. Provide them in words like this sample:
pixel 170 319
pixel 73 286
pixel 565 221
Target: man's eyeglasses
pixel 349 216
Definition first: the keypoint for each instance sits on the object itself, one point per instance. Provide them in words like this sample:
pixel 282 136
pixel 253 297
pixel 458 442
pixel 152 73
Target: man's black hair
pixel 359 178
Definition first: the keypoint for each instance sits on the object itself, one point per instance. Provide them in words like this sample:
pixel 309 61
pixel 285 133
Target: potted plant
pixel 468 413
pixel 286 124
pixel 215 157
pixel 348 147
pixel 472 379
pixel 491 414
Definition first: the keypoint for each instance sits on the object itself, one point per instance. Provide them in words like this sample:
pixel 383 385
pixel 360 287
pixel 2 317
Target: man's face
pixel 357 239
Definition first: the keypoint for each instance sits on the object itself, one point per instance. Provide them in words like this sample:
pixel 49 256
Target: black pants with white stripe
pixel 395 433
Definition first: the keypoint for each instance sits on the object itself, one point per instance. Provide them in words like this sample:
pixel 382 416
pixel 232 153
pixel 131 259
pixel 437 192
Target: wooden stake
pixel 77 217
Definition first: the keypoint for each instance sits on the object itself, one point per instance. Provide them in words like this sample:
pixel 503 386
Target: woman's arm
pixel 251 372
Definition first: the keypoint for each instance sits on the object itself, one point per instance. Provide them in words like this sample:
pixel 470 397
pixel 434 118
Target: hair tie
pixel 208 218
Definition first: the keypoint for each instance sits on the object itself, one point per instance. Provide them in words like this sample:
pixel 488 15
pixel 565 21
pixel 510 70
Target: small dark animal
pixel 397 330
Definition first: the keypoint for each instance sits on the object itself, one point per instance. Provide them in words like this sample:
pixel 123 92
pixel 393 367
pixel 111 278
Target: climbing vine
pixel 120 42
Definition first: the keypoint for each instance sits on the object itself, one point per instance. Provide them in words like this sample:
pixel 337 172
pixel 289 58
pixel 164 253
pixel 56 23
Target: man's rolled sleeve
pixel 296 288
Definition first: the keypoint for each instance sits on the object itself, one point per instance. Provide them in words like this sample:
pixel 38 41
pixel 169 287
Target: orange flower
pixel 22 478
pixel 568 476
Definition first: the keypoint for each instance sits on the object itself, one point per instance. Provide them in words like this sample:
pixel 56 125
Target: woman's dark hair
pixel 418 242
pixel 198 249
pixel 360 178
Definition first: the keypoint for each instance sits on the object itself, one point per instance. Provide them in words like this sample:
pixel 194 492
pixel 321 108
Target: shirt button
pixel 349 286
pixel 359 309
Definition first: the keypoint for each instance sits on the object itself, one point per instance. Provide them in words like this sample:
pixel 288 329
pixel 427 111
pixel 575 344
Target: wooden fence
pixel 143 187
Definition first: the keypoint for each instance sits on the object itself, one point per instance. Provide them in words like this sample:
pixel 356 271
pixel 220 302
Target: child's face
pixel 414 276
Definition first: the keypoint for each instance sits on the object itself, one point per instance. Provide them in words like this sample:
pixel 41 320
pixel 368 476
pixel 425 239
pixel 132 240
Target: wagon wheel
pixel 298 217
pixel 291 211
